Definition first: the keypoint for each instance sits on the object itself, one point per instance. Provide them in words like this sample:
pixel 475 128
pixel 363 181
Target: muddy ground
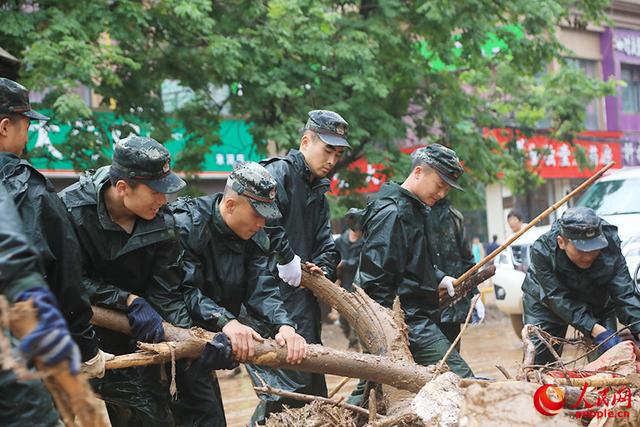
pixel 483 347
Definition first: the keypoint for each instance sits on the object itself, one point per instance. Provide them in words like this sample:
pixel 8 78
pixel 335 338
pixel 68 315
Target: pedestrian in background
pixel 493 245
pixel 514 219
pixel 477 250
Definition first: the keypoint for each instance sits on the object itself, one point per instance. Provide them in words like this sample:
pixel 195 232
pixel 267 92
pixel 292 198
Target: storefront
pixel 236 145
pixel 555 161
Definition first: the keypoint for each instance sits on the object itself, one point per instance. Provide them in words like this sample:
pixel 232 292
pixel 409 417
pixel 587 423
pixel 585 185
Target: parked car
pixel 511 266
pixel 616 199
pixel 613 197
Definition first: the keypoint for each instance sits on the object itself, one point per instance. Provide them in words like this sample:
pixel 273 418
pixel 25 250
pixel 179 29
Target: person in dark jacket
pixel 227 284
pixel 577 276
pixel 492 246
pixel 396 258
pixel 451 254
pixel 28 402
pixel 303 234
pixel 349 245
pixel 131 263
pixel 45 221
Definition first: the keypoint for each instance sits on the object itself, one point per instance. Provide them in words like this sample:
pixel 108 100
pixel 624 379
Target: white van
pixel 616 198
pixel 511 266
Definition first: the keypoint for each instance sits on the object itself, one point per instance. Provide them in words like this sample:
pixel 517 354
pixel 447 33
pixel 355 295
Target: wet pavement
pixel 484 346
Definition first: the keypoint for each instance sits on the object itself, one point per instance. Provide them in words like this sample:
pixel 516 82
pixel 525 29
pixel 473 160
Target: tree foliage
pixel 381 64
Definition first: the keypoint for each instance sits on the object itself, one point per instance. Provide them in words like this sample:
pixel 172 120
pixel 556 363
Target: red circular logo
pixel 543 402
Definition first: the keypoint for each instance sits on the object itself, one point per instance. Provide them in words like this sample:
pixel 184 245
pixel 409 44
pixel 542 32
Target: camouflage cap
pixel 140 158
pixel 330 127
pixel 584 228
pixel 253 181
pixel 14 99
pixel 443 160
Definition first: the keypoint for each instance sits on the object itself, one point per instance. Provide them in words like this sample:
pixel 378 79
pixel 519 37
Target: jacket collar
pixel 101 182
pixel 20 170
pixel 8 162
pixel 302 168
pixel 300 164
pixel 395 190
pixel 218 222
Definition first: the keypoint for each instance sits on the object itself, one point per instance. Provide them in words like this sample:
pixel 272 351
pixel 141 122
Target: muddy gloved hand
pixel 603 336
pixel 291 273
pixel 217 354
pixel 145 322
pixel 478 313
pixel 94 367
pixel 50 340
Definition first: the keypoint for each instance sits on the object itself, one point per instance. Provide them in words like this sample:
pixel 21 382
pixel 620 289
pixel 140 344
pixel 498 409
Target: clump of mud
pixel 439 402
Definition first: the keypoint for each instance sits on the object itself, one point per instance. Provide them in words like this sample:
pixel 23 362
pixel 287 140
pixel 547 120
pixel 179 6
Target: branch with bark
pixel 189 343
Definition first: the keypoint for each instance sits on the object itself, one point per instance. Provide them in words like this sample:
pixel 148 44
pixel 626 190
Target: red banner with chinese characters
pixel 556 159
pixel 374 179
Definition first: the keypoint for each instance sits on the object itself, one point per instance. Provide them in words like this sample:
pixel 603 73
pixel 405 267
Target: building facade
pixel 612 124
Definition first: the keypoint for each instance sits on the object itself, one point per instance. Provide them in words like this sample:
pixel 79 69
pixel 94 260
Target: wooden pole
pixel 533 223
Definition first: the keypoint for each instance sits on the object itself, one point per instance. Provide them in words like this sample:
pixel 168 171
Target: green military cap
pixel 143 159
pixel 330 127
pixel 443 160
pixel 253 181
pixel 584 228
pixel 14 99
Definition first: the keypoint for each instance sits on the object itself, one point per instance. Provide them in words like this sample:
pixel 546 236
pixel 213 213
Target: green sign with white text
pixel 237 143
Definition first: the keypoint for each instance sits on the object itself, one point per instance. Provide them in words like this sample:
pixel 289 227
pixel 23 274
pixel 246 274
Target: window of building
pixel 175 96
pixel 594 109
pixel 631 93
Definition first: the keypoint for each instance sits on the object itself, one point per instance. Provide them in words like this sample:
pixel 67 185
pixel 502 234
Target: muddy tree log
pixel 189 343
pixel 381 331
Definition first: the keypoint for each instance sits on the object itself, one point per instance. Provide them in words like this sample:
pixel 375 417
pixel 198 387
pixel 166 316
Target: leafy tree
pixel 378 63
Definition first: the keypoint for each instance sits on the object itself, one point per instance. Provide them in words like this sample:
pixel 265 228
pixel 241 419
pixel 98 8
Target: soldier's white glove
pixel 291 273
pixel 94 367
pixel 447 283
pixel 478 313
